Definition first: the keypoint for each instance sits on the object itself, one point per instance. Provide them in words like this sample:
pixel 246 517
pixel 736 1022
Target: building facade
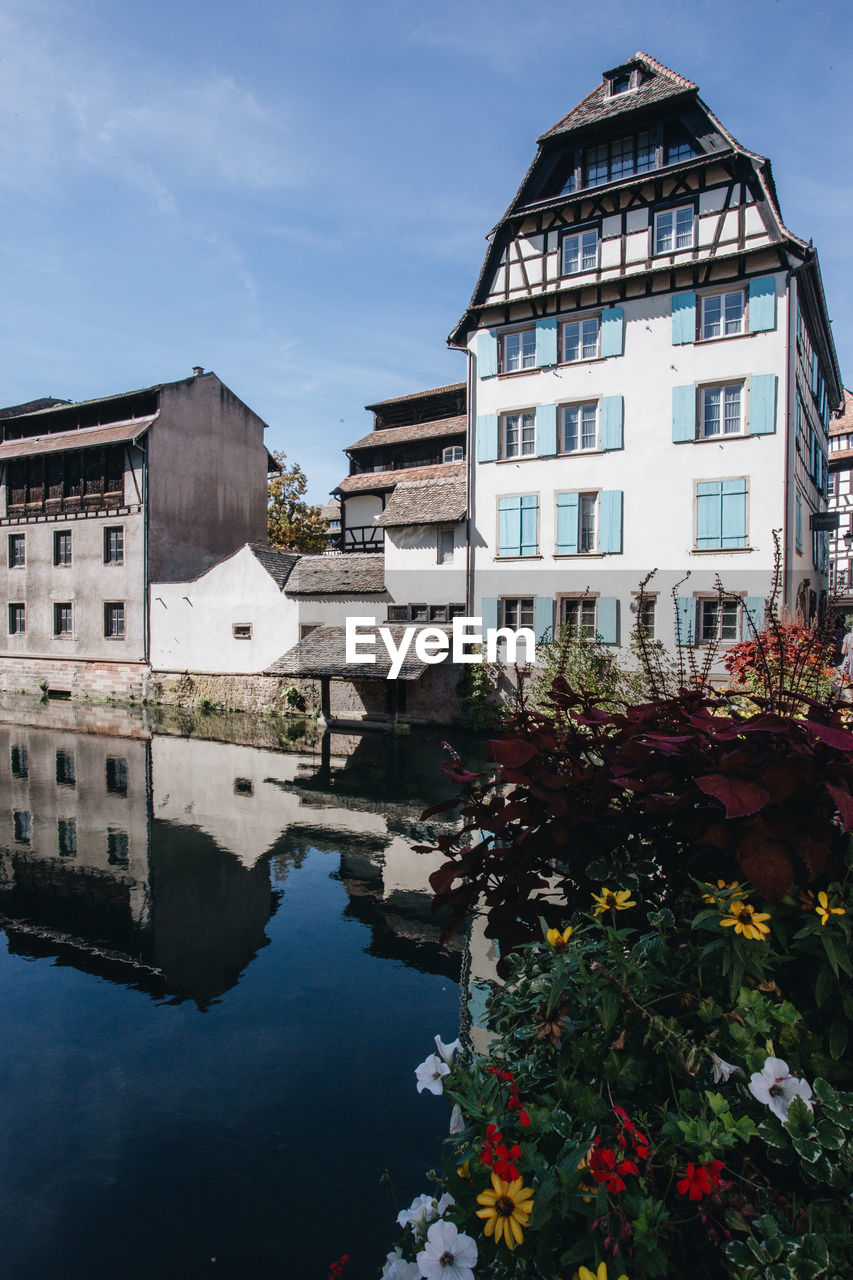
pixel 651 379
pixel 841 503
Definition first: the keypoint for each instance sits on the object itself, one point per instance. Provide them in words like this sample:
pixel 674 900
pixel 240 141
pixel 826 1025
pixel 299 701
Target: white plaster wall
pixel 412 572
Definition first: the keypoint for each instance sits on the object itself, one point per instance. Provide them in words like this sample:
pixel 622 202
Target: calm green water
pixel 220 971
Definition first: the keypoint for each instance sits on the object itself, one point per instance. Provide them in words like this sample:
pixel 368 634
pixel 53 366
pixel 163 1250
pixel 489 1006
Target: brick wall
pixel 122 681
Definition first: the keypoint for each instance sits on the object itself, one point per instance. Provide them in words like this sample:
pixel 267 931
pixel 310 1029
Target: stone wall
pixel 232 692
pixel 120 681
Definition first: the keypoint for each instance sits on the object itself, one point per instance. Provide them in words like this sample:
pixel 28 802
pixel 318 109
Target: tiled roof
pixel 380 481
pixel 331 510
pixel 278 564
pixel 350 574
pixel 413 431
pixel 598 106
pixel 418 395
pixel 844 424
pixel 425 502
pixel 323 653
pixel 59 441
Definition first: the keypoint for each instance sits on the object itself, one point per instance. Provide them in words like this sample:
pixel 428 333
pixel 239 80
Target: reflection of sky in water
pixel 242 1102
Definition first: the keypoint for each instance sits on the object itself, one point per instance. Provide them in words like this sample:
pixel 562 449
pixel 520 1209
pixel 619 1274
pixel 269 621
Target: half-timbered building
pixel 841 503
pixel 652 375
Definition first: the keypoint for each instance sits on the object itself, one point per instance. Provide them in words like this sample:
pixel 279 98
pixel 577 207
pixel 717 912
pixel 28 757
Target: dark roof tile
pixel 425 502
pixel 323 653
pixel 381 481
pixel 413 431
pixel 350 574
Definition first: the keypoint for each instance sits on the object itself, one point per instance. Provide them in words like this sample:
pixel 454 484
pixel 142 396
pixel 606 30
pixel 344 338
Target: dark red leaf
pixel 843 802
pixel 831 736
pixel 739 796
pixel 512 753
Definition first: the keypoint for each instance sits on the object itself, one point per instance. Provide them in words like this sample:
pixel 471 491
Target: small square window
pixel 581 339
pixel 719 620
pixel 305 629
pixel 517 612
pixel 518 350
pixel 23 826
pixel 456 611
pixel 674 229
pixel 578 614
pixel 17 550
pixel 244 787
pixel 114 620
pixel 116 771
pixel 398 613
pixel 62 620
pixel 114 545
pixel 118 847
pixel 17 619
pixel 438 613
pixel 62 546
pixel 66 835
pixel 419 612
pixel 66 772
pixel 580 252
pixel 722 315
pixel 453 453
pixel 518 435
pixel 242 630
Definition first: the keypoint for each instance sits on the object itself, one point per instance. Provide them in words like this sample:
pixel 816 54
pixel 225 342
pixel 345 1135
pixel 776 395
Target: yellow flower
pixel 584 1273
pixel 612 900
pixel 507 1210
pixel 732 890
pixel 824 910
pixel 746 920
pixel 464 1170
pixel 558 940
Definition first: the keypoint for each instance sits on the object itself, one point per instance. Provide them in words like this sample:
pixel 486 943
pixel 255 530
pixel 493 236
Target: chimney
pixel 197 370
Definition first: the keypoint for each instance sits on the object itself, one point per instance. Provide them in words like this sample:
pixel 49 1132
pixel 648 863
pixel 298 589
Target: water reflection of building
pixel 146 858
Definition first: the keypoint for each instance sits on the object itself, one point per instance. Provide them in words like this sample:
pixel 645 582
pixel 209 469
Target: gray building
pixel 99 498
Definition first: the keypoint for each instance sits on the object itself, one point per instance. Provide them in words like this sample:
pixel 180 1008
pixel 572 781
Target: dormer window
pixel 622 80
pixel 620 83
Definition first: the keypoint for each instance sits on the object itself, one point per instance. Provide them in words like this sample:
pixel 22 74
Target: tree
pixel 292 523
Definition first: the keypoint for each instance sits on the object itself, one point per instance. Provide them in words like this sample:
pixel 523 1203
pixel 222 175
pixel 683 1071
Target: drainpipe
pixel 469 483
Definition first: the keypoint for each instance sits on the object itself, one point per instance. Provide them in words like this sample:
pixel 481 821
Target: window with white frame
pixel 444 546
pixel 576 523
pixel 722 314
pixel 578 614
pixel 721 411
pixel 452 453
pixel 647 615
pixel 17 619
pixel 719 620
pixel 578 427
pixel 581 339
pixel 580 252
pixel 517 611
pixel 674 229
pixel 518 435
pixel 114 620
pixel 518 350
pixel 63 619
pixel 619 159
pixel 17 550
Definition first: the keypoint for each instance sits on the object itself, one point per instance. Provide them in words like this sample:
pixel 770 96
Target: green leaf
pixel 807 1149
pixel 824 1091
pixel 771 1132
pixel 837 1039
pixel 830 1136
pixel 609 1008
pixel 824 987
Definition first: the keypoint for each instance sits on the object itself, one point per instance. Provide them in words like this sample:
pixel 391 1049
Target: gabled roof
pixel 660 83
pixel 85 438
pixel 418 395
pixel 414 431
pixel 425 502
pixel 323 653
pixel 350 574
pixel 278 564
pixel 381 481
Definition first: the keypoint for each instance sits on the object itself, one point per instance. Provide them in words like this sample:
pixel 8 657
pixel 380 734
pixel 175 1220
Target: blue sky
pixel 298 197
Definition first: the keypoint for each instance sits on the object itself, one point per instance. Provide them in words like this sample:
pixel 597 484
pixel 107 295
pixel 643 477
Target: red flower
pixel 608 1170
pixel 504 1167
pixel 700 1179
pixel 336 1270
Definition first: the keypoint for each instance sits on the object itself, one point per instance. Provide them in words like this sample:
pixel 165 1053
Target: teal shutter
pixel 509 526
pixel 612 330
pixel 567 524
pixel 487 437
pixel 612 417
pixel 683 414
pixel 546 430
pixel 487 354
pixel 546 342
pixel 685 620
pixel 733 516
pixel 529 525
pixel 753 617
pixel 762 404
pixel 489 614
pixel 798 507
pixel 762 304
pixel 543 618
pixel 683 317
pixel 709 528
pixel 610 521
pixel 815 372
pixel 607 620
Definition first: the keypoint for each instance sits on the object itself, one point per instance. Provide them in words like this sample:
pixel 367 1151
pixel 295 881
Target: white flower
pixel 446 1202
pixel 457 1120
pixel 446 1051
pixel 420 1212
pixel 447 1255
pixel 722 1070
pixel 429 1074
pixel 397 1268
pixel 776 1087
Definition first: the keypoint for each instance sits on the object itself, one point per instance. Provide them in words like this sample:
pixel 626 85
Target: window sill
pixel 519 373
pixel 570 364
pixel 504 559
pixel 716 551
pixel 580 555
pixel 720 439
pixel 523 457
pixel 724 337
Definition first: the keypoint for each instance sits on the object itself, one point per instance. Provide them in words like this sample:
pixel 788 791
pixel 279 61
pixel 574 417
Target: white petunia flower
pixel 457 1120
pixel 419 1214
pixel 397 1268
pixel 776 1087
pixel 723 1071
pixel 447 1254
pixel 446 1051
pixel 429 1074
pixel 446 1202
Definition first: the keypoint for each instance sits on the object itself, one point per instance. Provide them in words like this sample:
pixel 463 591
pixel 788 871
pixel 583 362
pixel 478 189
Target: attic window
pixel 623 81
pixel 242 630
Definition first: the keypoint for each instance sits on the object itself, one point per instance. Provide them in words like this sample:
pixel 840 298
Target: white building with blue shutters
pixel 651 377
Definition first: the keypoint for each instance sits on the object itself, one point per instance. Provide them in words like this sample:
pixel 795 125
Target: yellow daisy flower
pixel 612 900
pixel 558 940
pixel 584 1273
pixel 507 1208
pixel 744 919
pixel 824 910
pixel 732 891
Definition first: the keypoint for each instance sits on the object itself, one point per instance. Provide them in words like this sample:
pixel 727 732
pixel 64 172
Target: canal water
pixel 220 970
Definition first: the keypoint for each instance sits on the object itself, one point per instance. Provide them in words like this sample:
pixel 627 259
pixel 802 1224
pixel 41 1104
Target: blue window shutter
pixel 487 437
pixel 487 354
pixel 543 618
pixel 753 617
pixel 685 620
pixel 546 342
pixel 529 544
pixel 612 330
pixel 762 404
pixel 762 304
pixel 509 526
pixel 709 527
pixel 546 430
pixel 683 414
pixel 734 513
pixel 815 372
pixel 683 317
pixel 607 620
pixel 489 613
pixel 799 522
pixel 612 417
pixel 610 521
pixel 567 524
